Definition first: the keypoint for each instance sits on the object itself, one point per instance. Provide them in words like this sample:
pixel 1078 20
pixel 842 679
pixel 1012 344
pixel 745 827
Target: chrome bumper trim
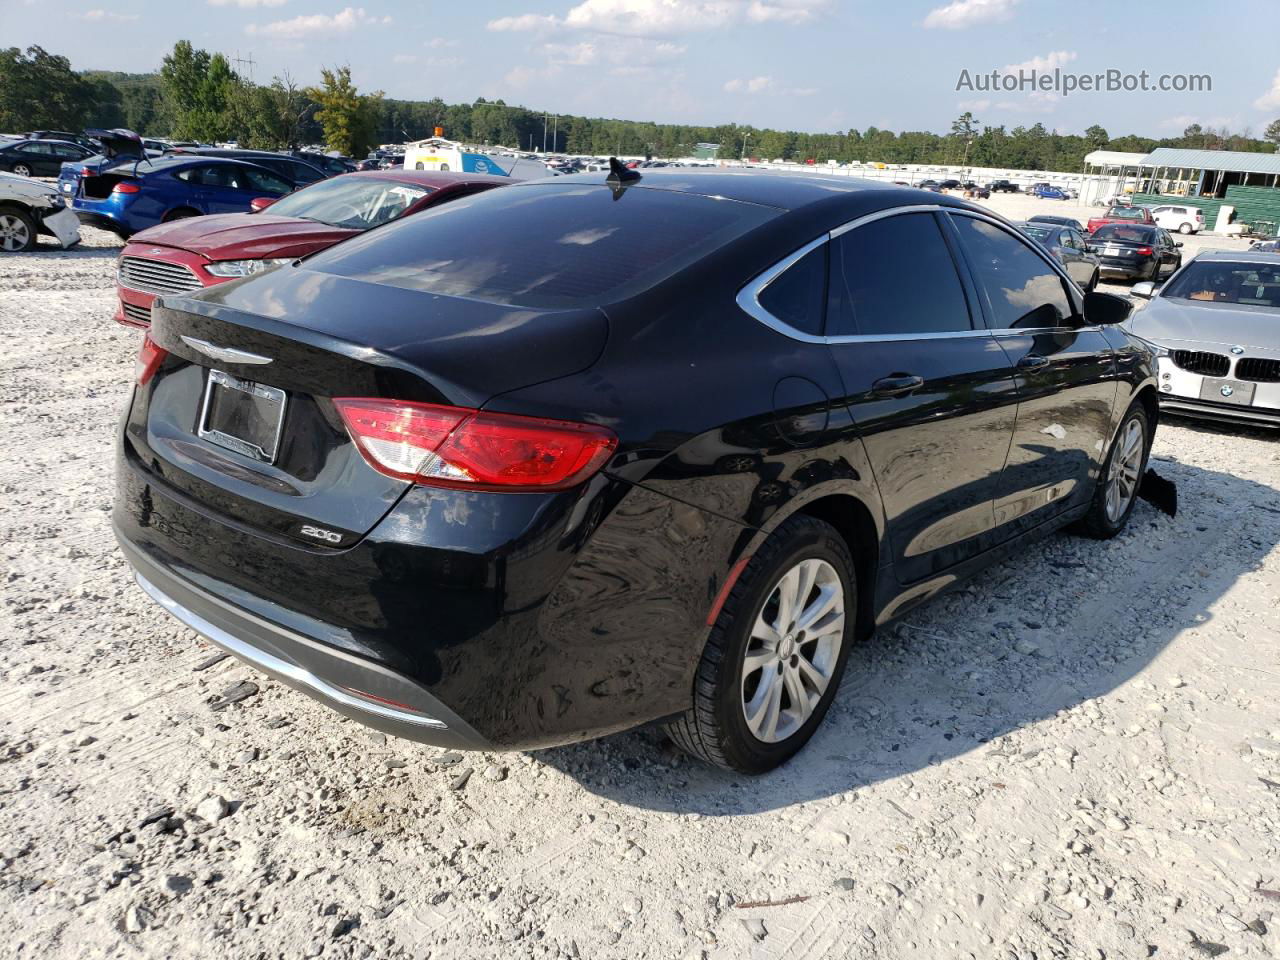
pixel 286 671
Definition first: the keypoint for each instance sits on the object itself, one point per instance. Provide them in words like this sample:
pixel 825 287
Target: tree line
pixel 197 95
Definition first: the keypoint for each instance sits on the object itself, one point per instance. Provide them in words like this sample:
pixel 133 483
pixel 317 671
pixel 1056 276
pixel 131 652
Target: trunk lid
pixel 310 337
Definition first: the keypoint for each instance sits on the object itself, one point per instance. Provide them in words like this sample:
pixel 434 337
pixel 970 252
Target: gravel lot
pixel 1077 755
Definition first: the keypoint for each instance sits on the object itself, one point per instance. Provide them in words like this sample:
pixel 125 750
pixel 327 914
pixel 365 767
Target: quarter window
pixel 1022 289
pixel 895 276
pixel 797 296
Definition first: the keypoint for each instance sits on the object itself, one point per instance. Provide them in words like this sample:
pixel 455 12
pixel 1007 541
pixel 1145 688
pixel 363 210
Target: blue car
pixel 127 197
pixel 1050 193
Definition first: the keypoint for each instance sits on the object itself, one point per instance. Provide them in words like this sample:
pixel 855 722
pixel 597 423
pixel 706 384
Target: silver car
pixel 1215 326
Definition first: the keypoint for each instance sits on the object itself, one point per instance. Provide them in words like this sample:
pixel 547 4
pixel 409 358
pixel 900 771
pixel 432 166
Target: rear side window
pixel 798 295
pixel 895 277
pixel 263 181
pixel 545 244
pixel 1022 289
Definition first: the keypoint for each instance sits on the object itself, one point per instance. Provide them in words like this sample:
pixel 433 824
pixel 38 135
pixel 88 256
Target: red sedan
pixel 1121 213
pixel 197 252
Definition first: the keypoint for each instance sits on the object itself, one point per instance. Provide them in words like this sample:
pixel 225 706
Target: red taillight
pixel 149 359
pixel 86 171
pixel 126 186
pixel 471 449
pixel 1145 251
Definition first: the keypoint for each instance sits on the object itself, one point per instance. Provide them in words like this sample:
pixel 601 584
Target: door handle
pixel 898 385
pixel 1033 361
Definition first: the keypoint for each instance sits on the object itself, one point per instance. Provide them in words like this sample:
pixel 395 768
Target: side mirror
pixel 1105 309
pixel 258 204
pixel 1146 290
pixel 1177 243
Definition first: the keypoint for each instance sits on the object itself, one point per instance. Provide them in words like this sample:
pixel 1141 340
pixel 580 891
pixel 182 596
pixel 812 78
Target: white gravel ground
pixel 1075 756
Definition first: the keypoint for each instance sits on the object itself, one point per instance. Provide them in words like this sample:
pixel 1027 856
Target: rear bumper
pixel 1128 270
pixel 391 702
pixel 518 621
pixel 104 221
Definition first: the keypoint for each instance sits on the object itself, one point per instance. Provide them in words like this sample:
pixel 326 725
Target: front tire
pixel 17 231
pixel 1121 476
pixel 775 656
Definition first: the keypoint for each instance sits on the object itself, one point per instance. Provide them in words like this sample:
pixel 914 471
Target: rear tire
pixel 1120 477
pixel 1185 228
pixel 22 170
pixel 774 658
pixel 17 231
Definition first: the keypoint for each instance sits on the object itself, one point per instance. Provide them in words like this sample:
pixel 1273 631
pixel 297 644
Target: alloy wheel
pixel 22 170
pixel 793 650
pixel 1122 480
pixel 14 234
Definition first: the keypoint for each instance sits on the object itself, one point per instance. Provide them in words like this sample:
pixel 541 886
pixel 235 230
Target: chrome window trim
pixel 749 296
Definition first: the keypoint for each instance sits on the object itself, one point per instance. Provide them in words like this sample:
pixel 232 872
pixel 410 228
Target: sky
pixel 810 65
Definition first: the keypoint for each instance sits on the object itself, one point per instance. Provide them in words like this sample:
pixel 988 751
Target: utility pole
pixel 544 133
pixel 555 133
pixel 247 61
pixel 745 138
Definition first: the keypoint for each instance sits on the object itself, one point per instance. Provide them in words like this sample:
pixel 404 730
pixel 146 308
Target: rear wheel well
pixel 854 523
pixel 177 213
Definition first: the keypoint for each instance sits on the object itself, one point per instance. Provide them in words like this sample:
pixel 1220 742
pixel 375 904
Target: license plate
pixel 1227 391
pixel 242 416
pixel 1111 251
pixel 66 188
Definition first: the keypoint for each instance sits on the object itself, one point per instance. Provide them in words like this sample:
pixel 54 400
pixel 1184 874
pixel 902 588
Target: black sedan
pixel 39 158
pixel 1069 247
pixel 667 462
pixel 1135 251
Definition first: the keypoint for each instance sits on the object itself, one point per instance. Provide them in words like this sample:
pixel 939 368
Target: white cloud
pixel 246 4
pixel 969 13
pixel 1046 64
pixel 317 24
pixel 634 54
pixel 643 18
pixel 1271 99
pixel 436 43
pixel 766 84
pixel 972 105
pixel 526 21
pixel 444 62
pixel 103 16
pixel 404 58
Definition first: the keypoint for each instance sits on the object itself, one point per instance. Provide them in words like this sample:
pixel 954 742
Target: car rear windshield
pixel 1039 233
pixel 545 244
pixel 1122 231
pixel 1224 282
pixel 357 203
pixel 1126 213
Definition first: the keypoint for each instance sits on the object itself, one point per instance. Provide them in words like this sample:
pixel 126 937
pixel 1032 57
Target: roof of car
pixel 787 191
pixel 1240 256
pixel 171 161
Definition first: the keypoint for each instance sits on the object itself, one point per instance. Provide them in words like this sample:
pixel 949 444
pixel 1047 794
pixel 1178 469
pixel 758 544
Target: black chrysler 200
pixel 577 455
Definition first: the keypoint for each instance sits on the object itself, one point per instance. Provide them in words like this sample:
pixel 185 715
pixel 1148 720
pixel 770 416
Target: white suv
pixel 1182 219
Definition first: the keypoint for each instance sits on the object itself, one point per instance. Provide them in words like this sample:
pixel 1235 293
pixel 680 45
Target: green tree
pixel 1272 133
pixel 1096 137
pixel 965 128
pixel 349 119
pixel 39 89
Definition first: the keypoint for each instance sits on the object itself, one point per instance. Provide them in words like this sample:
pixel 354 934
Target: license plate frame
pixel 1241 394
pixel 214 425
